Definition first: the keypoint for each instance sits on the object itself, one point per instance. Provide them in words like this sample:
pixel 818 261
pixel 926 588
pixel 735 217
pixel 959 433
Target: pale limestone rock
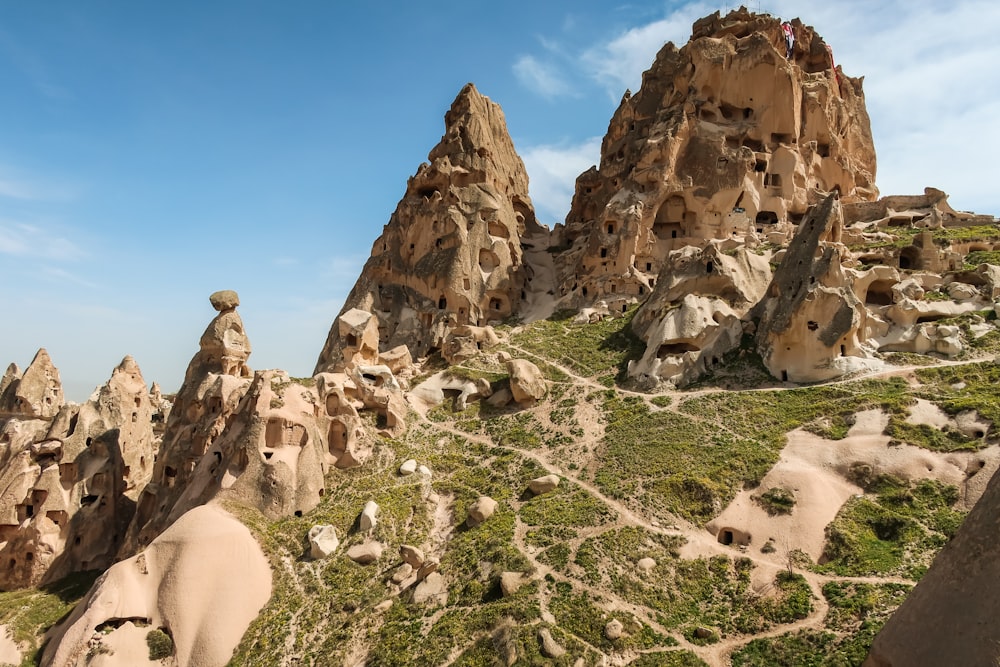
pixel 224 300
pixel 543 484
pixel 527 384
pixel 402 573
pixel 511 582
pixel 423 470
pixel 432 564
pixel 322 541
pixel 500 398
pixel 645 564
pixel 614 629
pixel 411 555
pixel 481 510
pixel 451 254
pixel 365 554
pixel 35 394
pixel 549 646
pixel 962 291
pixel 368 519
pixel 432 590
pixel 384 605
pixel 408 467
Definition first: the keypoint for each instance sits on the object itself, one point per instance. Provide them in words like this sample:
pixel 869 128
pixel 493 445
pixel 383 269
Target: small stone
pixel 614 629
pixel 402 573
pixel 365 554
pixel 226 299
pixel 503 357
pixel 322 541
pixel 424 470
pixel 368 514
pixel 431 589
pixel 430 565
pixel 544 484
pixel 510 582
pixel 408 468
pixel 550 647
pixel 411 555
pixel 645 564
pixel 484 388
pixel 480 511
pixel 701 632
pixel 384 605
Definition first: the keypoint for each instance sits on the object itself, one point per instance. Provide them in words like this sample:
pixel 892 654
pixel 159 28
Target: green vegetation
pixel 160 644
pixel 28 613
pixel 777 501
pixel 679 658
pixel 588 349
pixel 977 257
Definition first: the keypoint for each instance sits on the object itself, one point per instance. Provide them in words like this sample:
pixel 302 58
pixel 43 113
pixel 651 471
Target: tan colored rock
pixel 450 255
pixel 614 629
pixel 322 541
pixel 549 646
pixel 365 554
pixel 402 573
pixel 432 590
pixel 412 555
pixel 430 565
pixel 527 384
pixel 205 572
pixel 543 484
pixel 224 300
pixel 481 510
pixel 408 467
pixel 35 394
pixel 645 564
pixel 511 582
pixel 369 517
pixel 727 140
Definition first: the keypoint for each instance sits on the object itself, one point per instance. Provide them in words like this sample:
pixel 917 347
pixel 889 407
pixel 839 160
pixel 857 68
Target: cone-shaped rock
pixel 451 253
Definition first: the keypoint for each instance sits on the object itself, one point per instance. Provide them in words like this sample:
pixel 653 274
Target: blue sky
pixel 152 153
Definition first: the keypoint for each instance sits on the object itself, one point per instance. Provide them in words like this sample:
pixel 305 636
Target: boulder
pixel 549 646
pixel 365 554
pixel 226 299
pixel 408 467
pixel 543 484
pixel 368 520
pixel 427 567
pixel 511 582
pixel 411 555
pixel 645 564
pixel 527 384
pixel 402 573
pixel 614 629
pixel 481 510
pixel 433 590
pixel 322 541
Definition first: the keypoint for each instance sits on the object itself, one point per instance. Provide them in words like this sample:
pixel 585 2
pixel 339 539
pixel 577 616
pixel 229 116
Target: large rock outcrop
pixel 952 617
pixel 726 140
pixel 69 480
pixel 451 253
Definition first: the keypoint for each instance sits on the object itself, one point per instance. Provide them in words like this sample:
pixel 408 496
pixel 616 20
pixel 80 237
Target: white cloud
pixel 24 240
pixel 552 172
pixel 542 77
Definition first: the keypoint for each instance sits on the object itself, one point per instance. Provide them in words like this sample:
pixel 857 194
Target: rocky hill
pixel 727 414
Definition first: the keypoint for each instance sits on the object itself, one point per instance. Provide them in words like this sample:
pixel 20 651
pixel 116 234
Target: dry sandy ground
pixel 205 578
pixel 10 654
pixel 817 471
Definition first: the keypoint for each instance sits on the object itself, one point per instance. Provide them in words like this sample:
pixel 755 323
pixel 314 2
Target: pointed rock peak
pixel 128 365
pixel 39 392
pixel 12 373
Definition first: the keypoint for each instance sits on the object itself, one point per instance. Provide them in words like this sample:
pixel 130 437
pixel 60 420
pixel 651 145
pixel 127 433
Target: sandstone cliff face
pixel 69 479
pixel 726 139
pixel 451 253
pixel 952 617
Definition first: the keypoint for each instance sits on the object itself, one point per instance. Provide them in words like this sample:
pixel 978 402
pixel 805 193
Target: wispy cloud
pixel 25 240
pixel 62 276
pixel 552 170
pixel 544 78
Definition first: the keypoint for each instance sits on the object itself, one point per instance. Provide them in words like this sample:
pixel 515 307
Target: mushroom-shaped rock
pixel 430 565
pixel 527 384
pixel 510 582
pixel 226 299
pixel 408 467
pixel 543 484
pixel 480 511
pixel 368 518
pixel 365 554
pixel 432 589
pixel 322 541
pixel 614 629
pixel 550 647
pixel 411 555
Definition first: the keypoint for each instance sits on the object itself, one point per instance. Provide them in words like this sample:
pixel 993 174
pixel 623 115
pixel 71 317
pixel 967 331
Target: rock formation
pixel 451 253
pixel 70 473
pixel 727 141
